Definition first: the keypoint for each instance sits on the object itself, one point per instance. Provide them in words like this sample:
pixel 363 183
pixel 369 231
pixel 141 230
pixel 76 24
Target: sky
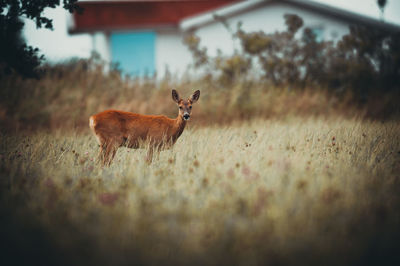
pixel 58 45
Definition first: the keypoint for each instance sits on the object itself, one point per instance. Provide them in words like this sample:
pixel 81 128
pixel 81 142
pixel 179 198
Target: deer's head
pixel 185 106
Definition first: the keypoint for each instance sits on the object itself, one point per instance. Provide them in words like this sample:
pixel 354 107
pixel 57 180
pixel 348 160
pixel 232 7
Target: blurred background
pixel 72 37
pixel 263 58
pixel 145 35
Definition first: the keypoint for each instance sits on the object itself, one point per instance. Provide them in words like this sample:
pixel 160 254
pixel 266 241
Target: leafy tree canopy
pixel 15 54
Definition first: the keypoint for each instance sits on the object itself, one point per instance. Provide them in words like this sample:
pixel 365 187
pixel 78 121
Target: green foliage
pixel 15 55
pixel 293 23
pixel 369 59
pixel 364 62
pixel 231 68
pixel 199 54
pixel 255 42
pixel 381 4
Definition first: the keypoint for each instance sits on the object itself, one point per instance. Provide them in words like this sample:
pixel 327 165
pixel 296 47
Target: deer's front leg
pixel 154 148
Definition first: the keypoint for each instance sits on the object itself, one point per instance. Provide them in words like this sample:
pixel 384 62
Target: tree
pixel 381 4
pixel 15 54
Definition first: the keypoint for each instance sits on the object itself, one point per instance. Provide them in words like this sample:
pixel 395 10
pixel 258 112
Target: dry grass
pixel 67 94
pixel 294 192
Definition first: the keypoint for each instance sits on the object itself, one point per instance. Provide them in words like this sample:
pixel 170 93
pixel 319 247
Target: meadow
pixel 293 191
pixel 291 157
pixel 262 175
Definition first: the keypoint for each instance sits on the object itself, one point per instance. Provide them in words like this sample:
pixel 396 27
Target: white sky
pixel 57 45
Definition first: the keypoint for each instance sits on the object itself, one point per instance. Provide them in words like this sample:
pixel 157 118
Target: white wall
pixel 101 44
pixel 57 45
pixel 268 18
pixel 171 52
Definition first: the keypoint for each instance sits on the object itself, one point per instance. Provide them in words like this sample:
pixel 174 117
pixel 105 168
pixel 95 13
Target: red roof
pixel 119 15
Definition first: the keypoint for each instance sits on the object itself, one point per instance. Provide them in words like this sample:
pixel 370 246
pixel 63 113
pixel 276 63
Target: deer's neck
pixel 179 127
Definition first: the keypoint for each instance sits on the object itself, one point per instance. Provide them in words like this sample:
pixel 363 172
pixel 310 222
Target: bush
pixel 364 62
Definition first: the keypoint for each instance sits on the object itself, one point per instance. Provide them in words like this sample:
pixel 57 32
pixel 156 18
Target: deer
pixel 114 129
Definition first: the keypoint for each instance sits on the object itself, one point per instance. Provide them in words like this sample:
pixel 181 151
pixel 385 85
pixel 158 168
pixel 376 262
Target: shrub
pixel 364 62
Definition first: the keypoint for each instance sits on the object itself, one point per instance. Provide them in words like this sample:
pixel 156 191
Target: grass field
pixel 290 192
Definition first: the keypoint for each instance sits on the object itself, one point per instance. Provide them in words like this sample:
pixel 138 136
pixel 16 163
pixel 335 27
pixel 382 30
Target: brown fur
pixel 114 129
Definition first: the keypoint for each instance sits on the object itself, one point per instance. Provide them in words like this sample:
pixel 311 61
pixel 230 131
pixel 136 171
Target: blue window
pixel 134 52
pixel 319 33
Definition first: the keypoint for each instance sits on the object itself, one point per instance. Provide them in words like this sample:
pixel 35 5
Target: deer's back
pixel 126 125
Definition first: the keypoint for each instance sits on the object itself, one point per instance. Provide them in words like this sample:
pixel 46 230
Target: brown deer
pixel 114 129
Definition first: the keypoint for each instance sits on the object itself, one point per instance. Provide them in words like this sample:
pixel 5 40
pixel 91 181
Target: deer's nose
pixel 186 116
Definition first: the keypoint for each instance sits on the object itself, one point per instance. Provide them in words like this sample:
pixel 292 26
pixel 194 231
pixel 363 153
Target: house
pixel 146 37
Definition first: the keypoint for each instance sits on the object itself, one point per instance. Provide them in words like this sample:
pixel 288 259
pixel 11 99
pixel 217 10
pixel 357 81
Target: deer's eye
pixel 190 107
pixel 180 107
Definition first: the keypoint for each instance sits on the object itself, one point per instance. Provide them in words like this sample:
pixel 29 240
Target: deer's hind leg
pixel 108 149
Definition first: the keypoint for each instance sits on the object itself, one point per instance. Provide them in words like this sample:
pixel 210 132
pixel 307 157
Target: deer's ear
pixel 175 96
pixel 195 96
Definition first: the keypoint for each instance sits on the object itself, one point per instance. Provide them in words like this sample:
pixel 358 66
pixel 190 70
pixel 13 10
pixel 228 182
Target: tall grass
pixel 266 192
pixel 67 94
